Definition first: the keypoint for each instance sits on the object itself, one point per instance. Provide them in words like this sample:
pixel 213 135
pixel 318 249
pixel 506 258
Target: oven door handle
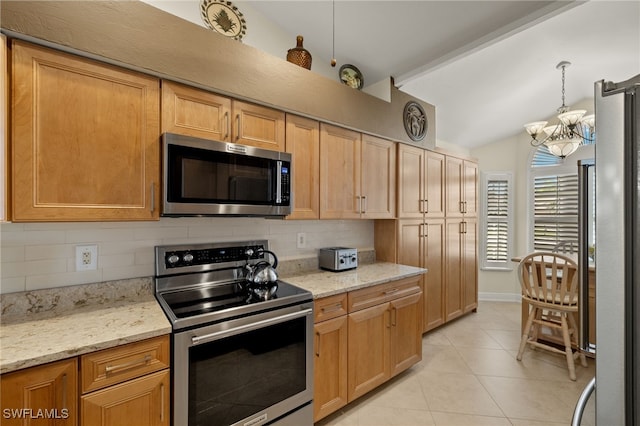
pixel 196 340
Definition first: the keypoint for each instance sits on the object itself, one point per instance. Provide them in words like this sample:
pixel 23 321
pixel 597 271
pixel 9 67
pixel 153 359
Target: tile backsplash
pixel 42 255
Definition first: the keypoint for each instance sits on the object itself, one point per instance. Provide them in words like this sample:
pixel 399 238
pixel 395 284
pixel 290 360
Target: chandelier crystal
pixel 563 138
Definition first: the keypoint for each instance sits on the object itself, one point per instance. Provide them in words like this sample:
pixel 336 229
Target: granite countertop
pixel 55 333
pixel 326 283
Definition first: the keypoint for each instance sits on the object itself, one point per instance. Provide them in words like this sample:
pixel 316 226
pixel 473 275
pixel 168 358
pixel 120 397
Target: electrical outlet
pixel 301 240
pixel 87 258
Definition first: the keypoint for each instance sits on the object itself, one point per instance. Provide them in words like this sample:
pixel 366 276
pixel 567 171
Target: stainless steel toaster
pixel 338 258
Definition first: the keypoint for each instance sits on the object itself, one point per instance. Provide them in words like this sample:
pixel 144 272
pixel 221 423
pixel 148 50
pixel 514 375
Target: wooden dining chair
pixel 549 283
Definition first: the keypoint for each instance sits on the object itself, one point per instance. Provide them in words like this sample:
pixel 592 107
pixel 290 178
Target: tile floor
pixel 469 376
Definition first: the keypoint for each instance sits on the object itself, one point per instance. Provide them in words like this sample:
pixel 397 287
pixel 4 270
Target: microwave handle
pixel 278 182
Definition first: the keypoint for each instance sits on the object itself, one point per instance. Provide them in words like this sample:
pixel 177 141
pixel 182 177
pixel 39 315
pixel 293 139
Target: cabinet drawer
pixel 370 296
pixel 115 365
pixel 330 307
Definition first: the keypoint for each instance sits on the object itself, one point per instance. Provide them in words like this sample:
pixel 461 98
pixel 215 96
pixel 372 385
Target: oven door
pixel 245 371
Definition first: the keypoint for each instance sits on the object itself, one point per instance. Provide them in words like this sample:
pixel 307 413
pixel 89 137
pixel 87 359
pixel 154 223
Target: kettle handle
pixel 275 258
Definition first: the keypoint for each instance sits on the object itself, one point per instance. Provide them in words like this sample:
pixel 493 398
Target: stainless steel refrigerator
pixel 617 253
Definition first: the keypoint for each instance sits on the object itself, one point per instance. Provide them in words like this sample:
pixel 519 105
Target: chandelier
pixel 564 138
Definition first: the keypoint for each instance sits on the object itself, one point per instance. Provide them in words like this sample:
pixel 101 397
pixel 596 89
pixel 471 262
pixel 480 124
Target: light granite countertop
pixel 53 333
pixel 326 283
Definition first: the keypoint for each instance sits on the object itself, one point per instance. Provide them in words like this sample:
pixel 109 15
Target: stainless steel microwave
pixel 204 178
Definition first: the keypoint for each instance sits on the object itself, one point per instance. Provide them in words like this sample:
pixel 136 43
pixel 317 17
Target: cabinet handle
pixel 359 200
pixel 238 129
pixel 153 197
pixel 227 125
pixel 318 344
pixel 161 402
pixel 364 201
pixel 64 390
pixel 142 361
pixel 461 206
pixel 393 290
pixel 426 206
pixel 394 316
pixel 336 307
pixel 420 230
pixel 389 322
pixel 465 207
pixel 462 227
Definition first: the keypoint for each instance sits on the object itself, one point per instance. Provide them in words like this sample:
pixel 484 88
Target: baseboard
pixel 499 297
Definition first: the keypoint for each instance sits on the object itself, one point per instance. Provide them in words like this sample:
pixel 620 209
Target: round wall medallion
pixel 223 17
pixel 415 121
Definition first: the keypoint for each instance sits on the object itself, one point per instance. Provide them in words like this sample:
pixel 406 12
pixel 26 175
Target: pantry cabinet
pixel 194 112
pixel 357 175
pixel 84 139
pixel 461 279
pixel 422 244
pixel 330 355
pixel 461 187
pixel 46 394
pixel 421 182
pixel 303 143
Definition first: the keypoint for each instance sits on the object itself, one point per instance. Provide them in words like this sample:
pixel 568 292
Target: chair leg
pixel 525 332
pixel 567 346
pixel 572 322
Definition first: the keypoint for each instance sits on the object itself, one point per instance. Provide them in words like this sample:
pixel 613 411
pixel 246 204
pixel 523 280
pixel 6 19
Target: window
pixel 555 205
pixel 498 221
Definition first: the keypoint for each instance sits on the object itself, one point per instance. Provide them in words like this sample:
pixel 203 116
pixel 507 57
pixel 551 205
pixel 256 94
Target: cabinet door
pixel 339 173
pixel 303 143
pixel 470 264
pixel 85 139
pixel 470 188
pixel 410 181
pixel 434 184
pixel 454 271
pixel 378 166
pixel 258 126
pixel 4 129
pixel 141 402
pixel 51 387
pixel 434 280
pixel 410 242
pixel 368 353
pixel 330 367
pixel 194 112
pixel 454 187
pixel 406 332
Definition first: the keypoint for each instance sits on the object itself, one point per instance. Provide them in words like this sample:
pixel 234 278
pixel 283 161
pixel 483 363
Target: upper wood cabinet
pixel 194 112
pixel 421 180
pixel 357 175
pixel 462 182
pixel 85 139
pixel 303 143
pixel 378 181
pixel 52 387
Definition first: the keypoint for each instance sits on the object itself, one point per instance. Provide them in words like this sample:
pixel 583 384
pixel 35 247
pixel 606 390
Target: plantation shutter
pixel 556 213
pixel 497 243
pixel 498 221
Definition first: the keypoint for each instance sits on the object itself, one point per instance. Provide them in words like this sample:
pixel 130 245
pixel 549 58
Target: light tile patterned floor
pixel 469 376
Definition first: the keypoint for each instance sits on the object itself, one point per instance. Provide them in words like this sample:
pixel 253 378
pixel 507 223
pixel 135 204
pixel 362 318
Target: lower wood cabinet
pixel 461 295
pixel 362 339
pixel 330 355
pixel 42 395
pixel 128 384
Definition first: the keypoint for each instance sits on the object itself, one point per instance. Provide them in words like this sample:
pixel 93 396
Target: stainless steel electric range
pixel 238 359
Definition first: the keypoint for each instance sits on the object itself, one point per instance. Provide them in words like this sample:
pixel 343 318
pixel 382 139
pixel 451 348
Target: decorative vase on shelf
pixel 299 55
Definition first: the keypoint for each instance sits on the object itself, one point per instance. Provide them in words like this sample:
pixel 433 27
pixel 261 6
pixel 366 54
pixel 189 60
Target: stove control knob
pixel 173 259
pixel 353 259
pixel 342 260
pixel 188 257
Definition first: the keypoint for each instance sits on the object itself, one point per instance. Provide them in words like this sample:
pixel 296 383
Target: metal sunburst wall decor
pixel 415 121
pixel 224 18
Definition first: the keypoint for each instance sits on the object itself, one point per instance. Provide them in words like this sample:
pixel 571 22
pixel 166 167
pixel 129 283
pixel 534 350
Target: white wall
pixel 42 255
pixel 514 155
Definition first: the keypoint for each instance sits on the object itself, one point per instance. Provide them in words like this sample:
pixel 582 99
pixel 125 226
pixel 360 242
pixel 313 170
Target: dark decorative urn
pixel 299 55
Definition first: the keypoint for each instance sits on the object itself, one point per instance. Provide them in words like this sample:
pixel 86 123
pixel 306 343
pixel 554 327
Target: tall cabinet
pixel 436 229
